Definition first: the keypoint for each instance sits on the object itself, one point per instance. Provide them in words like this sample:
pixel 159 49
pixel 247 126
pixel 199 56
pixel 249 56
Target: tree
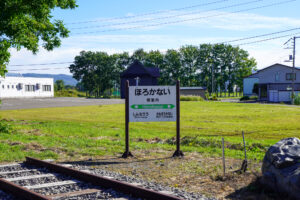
pixel 189 55
pixel 97 71
pixel 140 55
pixel 24 23
pixel 122 60
pixel 172 70
pixel 59 85
pixel 213 66
pixel 83 68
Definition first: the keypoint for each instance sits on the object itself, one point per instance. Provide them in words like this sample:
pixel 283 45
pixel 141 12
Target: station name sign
pixel 152 103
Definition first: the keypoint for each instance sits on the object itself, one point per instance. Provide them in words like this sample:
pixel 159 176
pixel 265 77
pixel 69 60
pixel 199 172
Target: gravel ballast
pixel 77 186
pixel 146 184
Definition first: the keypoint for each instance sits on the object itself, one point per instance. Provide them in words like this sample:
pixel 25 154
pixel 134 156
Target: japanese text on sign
pixel 152 103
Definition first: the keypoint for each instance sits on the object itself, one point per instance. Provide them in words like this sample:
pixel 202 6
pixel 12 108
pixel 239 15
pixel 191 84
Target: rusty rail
pixel 122 187
pixel 20 192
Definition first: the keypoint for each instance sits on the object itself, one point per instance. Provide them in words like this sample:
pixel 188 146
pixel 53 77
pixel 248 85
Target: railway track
pixel 43 180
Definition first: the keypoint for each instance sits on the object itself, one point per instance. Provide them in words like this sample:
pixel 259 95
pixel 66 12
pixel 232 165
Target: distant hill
pixel 68 79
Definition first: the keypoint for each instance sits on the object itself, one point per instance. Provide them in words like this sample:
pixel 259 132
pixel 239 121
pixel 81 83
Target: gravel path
pixel 14 104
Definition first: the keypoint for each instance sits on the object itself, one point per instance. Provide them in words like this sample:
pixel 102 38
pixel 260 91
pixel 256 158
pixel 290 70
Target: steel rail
pixel 20 192
pixel 130 189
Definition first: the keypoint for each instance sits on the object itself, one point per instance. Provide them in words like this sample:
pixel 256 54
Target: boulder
pixel 281 167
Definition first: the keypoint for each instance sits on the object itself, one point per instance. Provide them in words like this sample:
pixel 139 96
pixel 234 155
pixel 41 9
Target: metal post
pixel 244 146
pixel 178 153
pixel 127 152
pixel 245 162
pixel 223 155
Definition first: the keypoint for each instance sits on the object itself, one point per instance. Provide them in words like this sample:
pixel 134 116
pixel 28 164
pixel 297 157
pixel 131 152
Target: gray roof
pixel 256 72
pixel 138 69
pixel 193 88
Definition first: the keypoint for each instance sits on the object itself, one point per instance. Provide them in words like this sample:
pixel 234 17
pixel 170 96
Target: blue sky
pixel 117 25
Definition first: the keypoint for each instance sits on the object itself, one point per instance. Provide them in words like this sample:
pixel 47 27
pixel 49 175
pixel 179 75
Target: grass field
pixel 74 133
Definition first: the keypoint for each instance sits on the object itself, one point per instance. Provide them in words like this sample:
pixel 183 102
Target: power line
pixel 263 35
pixel 246 38
pixel 273 38
pixel 150 13
pixel 185 20
pixel 59 63
pixel 166 17
pixel 35 69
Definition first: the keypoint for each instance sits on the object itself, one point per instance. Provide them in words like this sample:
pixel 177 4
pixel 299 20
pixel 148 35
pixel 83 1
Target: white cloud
pixel 246 22
pixel 266 53
pixel 213 19
pixel 212 28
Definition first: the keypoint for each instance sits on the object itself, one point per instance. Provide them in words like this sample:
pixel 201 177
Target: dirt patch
pixel 201 142
pixel 99 138
pixel 33 146
pixel 15 143
pixel 193 173
pixel 31 132
pixel 104 137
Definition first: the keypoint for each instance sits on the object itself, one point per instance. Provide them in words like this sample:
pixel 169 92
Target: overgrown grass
pixel 191 98
pixel 69 93
pixel 93 131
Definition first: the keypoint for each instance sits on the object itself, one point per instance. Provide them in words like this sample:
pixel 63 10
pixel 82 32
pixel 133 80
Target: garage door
pixel 284 96
pixel 273 96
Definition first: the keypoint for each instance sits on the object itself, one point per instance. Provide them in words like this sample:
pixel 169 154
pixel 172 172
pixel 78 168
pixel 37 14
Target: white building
pixel 26 87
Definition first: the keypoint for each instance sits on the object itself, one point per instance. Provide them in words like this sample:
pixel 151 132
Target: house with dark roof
pixel 138 74
pixel 274 83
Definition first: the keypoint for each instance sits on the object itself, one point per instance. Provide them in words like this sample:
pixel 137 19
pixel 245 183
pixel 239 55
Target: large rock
pixel 281 167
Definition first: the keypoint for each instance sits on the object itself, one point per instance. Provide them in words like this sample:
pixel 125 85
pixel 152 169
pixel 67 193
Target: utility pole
pixel 212 79
pixel 293 68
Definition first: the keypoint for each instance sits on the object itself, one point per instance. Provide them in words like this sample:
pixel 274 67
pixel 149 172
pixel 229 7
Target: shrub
pixel 5 127
pixel 191 98
pixel 206 95
pixel 245 98
pixel 254 98
pixel 68 93
pixel 297 100
pixel 213 97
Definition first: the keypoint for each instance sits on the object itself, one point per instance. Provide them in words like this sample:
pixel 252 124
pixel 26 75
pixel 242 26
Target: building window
pixel 47 88
pixel 7 86
pixel 29 88
pixel 3 86
pixel 277 76
pixel 290 76
pixel 20 86
pixel 12 86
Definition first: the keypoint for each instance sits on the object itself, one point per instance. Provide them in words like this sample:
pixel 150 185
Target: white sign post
pixel 152 103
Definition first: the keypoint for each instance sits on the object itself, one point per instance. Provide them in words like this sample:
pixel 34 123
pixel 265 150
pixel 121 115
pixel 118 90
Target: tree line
pixel 219 67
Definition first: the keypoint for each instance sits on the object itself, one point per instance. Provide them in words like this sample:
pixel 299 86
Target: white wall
pixel 248 85
pixel 9 87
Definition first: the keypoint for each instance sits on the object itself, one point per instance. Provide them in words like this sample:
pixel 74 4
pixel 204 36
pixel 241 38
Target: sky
pixel 116 26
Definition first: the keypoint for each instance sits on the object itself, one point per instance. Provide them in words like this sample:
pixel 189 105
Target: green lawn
pixel 93 131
